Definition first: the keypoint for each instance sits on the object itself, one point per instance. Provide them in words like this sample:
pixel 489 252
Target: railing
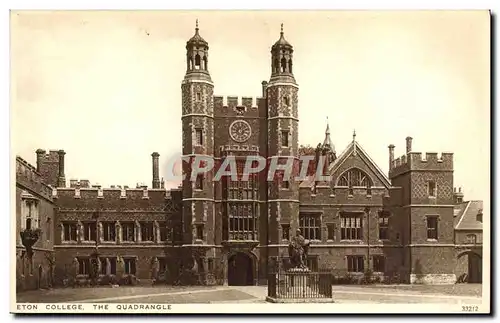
pixel 300 285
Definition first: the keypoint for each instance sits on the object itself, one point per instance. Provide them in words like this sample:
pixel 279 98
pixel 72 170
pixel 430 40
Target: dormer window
pixel 479 216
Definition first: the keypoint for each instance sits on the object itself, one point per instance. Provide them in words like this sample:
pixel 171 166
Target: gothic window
pixel 129 264
pixel 197 62
pixel 379 263
pixel 283 65
pixel 351 226
pixel 108 231
pixel 83 266
pixel 29 213
pixel 147 231
pixel 355 178
pixel 205 63
pixel 310 226
pixel 383 225
pixel 276 65
pixel 89 231
pixel 290 65
pixel 69 232
pixel 105 268
pixel 355 264
pixel 432 227
pixel 165 232
pixel 128 231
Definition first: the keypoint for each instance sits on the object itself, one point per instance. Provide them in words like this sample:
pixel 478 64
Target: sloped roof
pixel 355 147
pixel 466 213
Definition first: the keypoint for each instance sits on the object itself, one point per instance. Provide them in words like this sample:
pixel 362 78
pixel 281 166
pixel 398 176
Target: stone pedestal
pixel 299 285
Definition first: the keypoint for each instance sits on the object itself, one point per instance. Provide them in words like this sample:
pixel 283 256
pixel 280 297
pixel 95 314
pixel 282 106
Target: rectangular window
pixel 89 231
pixel 379 264
pixel 351 226
pixel 129 264
pixel 108 231
pixel 310 226
pixel 285 231
pixel 284 138
pixel 432 227
pixel 128 231
pixel 198 96
pixel 48 229
pixel 431 188
pixel 355 264
pixel 199 136
pixel 147 231
pixel 383 226
pixel 83 266
pixel 242 221
pixel 199 182
pixel 331 231
pixel 199 231
pixel 69 232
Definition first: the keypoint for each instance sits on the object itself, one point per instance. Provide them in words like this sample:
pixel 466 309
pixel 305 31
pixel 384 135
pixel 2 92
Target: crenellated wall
pixel 414 161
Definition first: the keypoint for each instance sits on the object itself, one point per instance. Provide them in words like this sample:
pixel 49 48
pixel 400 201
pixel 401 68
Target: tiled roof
pixel 466 215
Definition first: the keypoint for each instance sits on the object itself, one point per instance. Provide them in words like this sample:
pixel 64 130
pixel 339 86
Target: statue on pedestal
pixel 297 251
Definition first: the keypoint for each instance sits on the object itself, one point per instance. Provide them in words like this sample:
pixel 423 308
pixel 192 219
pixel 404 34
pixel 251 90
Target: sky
pixel 106 86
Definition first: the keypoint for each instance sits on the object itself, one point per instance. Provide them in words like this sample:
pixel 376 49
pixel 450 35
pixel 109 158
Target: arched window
pixel 276 66
pixel 205 63
pixel 197 62
pixel 290 65
pixel 283 65
pixel 355 177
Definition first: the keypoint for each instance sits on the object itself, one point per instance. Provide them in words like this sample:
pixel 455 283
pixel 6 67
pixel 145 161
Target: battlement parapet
pixel 111 193
pixel 415 161
pixel 237 106
pixel 29 177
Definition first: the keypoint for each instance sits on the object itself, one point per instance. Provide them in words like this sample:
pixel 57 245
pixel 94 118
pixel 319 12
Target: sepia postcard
pixel 283 161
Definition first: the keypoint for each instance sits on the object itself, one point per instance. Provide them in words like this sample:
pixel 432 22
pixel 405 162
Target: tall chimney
pixel 391 156
pixel 61 180
pixel 408 144
pixel 40 154
pixel 264 87
pixel 156 171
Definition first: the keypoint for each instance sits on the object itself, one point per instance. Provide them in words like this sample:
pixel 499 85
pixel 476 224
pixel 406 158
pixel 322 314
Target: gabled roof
pixel 352 148
pixel 466 215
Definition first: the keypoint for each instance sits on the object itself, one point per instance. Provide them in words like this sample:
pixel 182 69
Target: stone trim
pixel 283 200
pixel 197 81
pixel 283 117
pixel 432 245
pixel 271 84
pixel 196 115
pixel 35 248
pixel 197 199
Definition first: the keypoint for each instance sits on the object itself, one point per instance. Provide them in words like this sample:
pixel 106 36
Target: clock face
pixel 240 130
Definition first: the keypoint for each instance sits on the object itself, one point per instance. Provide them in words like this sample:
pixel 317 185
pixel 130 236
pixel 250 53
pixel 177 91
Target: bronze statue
pixel 297 251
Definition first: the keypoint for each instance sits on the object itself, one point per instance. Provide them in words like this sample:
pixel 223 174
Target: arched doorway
pixel 474 269
pixel 240 270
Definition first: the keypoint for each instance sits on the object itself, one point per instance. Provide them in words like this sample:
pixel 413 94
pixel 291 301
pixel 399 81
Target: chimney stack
pixel 408 144
pixel 264 87
pixel 391 156
pixel 458 197
pixel 40 155
pixel 61 180
pixel 156 171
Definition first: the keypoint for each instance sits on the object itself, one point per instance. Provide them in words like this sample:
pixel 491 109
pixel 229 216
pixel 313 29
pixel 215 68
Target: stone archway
pixel 472 268
pixel 240 269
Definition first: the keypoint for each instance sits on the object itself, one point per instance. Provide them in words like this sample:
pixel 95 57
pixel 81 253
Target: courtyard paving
pixel 450 294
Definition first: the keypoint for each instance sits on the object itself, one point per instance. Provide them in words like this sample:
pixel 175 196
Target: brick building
pixel 408 224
